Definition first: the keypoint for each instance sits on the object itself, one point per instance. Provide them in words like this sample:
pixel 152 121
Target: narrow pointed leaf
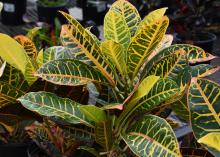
pixel 144 43
pixel 9 94
pixel 129 13
pixel 204 99
pixel 33 32
pixel 115 52
pixel 40 58
pixel 50 105
pixel 103 133
pixel 70 72
pixel 93 113
pixel 12 52
pixel 86 42
pixel 116 29
pixel 203 70
pixel 28 45
pixel 152 136
pixel 31 68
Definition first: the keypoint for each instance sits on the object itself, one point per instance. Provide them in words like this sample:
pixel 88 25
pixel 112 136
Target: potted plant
pixel 12 10
pixel 190 22
pixel 48 10
pixel 133 75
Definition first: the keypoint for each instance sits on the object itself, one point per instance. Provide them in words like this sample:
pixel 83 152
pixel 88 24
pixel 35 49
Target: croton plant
pixel 132 76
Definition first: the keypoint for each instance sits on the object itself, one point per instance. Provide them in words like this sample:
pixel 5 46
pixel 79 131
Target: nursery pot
pixel 49 13
pixel 94 10
pixel 203 40
pixel 13 150
pixel 13 11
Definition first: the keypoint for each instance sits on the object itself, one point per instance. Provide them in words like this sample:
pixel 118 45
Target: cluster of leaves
pixel 132 76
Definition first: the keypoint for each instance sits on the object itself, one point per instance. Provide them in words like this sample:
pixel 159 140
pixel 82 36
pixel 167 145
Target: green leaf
pixel 31 68
pixel 103 133
pixel 143 45
pixel 116 29
pixel 50 105
pixel 144 88
pixel 12 52
pixel 9 94
pixel 33 32
pixel 92 50
pixel 70 72
pixel 152 136
pixel 151 18
pixel 203 70
pixel 203 101
pixel 40 58
pixel 129 13
pixel 93 113
pixel 212 140
pixel 116 54
pixel 180 107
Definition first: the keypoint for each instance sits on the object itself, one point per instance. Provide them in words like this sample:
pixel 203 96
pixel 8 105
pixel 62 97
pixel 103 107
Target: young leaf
pixel 93 113
pixel 50 105
pixel 152 136
pixel 212 140
pixel 115 52
pixel 129 13
pixel 144 43
pixel 70 72
pixel 92 50
pixel 203 101
pixel 12 52
pixel 115 28
pixel 28 45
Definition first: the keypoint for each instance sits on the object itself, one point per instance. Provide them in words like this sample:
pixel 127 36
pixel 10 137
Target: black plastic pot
pixel 13 150
pixel 48 14
pixel 203 40
pixel 94 10
pixel 13 11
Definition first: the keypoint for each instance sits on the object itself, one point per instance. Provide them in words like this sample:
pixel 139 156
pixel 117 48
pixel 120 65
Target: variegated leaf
pixel 203 70
pixel 9 94
pixel 31 68
pixel 143 45
pixel 129 13
pixel 28 45
pixel 116 29
pixel 50 105
pixel 70 72
pixel 86 42
pixel 103 134
pixel 203 99
pixel 152 136
pixel 151 18
pixel 163 90
pixel 116 54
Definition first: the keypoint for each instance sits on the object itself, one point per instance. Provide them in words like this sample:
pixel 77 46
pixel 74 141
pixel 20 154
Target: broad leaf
pixel 151 18
pixel 204 99
pixel 50 105
pixel 31 68
pixel 116 29
pixel 86 42
pixel 212 140
pixel 116 54
pixel 152 136
pixel 28 45
pixel 180 107
pixel 144 43
pixel 93 113
pixel 12 52
pixel 129 13
pixel 9 94
pixel 103 134
pixel 203 70
pixel 70 72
